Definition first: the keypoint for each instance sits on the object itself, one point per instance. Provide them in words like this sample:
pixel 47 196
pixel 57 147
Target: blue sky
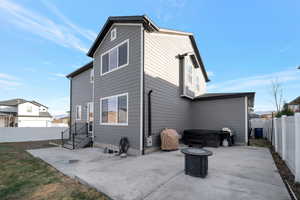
pixel 244 44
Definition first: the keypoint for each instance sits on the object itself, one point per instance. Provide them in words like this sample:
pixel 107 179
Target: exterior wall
pixel 22 109
pixel 82 93
pixel 123 80
pixel 30 134
pixel 216 114
pixel 162 75
pixel 43 109
pixel 34 121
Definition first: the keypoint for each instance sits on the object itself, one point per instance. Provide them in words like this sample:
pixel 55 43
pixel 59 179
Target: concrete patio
pixel 234 173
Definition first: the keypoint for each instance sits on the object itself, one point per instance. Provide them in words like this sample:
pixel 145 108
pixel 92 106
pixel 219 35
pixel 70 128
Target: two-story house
pixel 23 113
pixel 295 105
pixel 143 79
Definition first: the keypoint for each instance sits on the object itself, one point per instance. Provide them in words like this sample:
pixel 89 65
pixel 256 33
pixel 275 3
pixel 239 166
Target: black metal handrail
pixel 75 129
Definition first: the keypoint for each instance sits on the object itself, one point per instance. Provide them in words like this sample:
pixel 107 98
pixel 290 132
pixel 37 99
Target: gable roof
pixel 15 102
pixel 295 101
pixel 148 25
pixel 80 70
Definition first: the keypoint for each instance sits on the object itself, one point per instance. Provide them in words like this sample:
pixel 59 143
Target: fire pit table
pixel 196 161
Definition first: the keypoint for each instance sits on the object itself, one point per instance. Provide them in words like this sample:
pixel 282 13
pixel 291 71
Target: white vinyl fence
pixel 284 133
pixel 23 134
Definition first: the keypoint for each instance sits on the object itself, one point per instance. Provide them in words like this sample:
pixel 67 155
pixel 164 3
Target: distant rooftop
pixel 17 101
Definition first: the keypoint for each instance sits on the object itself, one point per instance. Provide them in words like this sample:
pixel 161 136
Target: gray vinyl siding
pixel 216 114
pixel 82 93
pixel 162 75
pixel 123 80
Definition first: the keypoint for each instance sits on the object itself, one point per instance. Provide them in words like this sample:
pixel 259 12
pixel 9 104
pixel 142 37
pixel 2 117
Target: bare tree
pixel 277 94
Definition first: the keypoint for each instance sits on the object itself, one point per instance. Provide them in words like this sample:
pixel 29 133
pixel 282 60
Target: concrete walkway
pixel 234 173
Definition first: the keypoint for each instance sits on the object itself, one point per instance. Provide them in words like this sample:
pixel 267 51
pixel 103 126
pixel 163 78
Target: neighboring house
pixel 136 62
pixel 295 105
pixel 23 113
pixel 61 120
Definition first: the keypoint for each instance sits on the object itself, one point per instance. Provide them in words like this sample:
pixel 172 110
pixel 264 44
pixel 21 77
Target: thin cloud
pixel 59 75
pixel 88 34
pixel 169 9
pixel 7 76
pixel 255 82
pixel 9 82
pixel 42 26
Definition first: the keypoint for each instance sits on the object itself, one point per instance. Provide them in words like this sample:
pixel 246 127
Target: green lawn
pixel 24 177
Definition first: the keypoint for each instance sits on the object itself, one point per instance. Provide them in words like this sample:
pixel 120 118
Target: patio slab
pixel 234 173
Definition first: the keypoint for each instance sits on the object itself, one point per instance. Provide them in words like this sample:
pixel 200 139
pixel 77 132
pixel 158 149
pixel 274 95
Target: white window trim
pixel 114 124
pixel 113 31
pixel 78 119
pixel 118 67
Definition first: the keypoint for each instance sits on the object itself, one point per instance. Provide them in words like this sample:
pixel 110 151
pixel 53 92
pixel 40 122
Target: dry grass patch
pixel 24 177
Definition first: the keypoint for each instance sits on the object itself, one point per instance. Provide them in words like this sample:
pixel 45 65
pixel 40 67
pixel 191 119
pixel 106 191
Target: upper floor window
pixel 92 76
pixel 191 78
pixel 114 110
pixel 29 109
pixel 113 34
pixel 115 58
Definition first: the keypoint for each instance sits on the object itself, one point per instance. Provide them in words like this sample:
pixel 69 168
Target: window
pixel 191 78
pixel 113 34
pixel 92 76
pixel 29 109
pixel 114 110
pixel 115 58
pixel 78 112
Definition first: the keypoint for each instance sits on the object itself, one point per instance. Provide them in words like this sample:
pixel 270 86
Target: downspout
pixel 149 114
pixel 70 123
pixel 143 88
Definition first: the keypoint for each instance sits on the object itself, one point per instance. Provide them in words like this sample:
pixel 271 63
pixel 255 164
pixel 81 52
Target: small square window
pixel 113 34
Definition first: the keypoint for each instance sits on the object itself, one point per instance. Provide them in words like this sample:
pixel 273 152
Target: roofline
pixel 80 70
pixel 34 116
pixel 226 96
pixel 170 31
pixel 149 25
pixel 199 58
pixel 25 101
pixel 142 19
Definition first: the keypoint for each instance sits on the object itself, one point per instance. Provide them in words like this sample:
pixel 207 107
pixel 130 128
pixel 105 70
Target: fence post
pixel 283 136
pixel 275 135
pixel 297 147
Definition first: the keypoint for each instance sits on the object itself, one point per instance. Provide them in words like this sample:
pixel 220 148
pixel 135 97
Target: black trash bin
pixel 258 133
pixel 196 161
